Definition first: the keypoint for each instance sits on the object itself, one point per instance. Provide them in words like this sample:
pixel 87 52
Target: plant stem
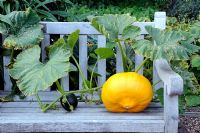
pixel 156 83
pixel 81 73
pixel 141 65
pixel 46 108
pixel 39 101
pixel 93 73
pixel 66 93
pixel 123 55
pixel 60 89
pixel 83 90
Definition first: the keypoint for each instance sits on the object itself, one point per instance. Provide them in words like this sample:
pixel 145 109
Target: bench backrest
pixel 66 28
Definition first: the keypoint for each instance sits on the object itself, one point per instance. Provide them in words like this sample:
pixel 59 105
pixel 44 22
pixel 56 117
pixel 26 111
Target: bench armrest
pixel 172 81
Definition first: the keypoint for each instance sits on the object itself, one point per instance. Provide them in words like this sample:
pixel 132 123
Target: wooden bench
pixel 26 116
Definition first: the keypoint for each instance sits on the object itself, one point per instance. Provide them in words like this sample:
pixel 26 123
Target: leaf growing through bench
pixel 112 25
pixel 22 29
pixel 164 44
pixel 104 53
pixel 32 75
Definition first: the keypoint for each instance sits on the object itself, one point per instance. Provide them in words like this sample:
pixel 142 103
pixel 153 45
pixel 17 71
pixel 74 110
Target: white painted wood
pixel 34 104
pixel 85 27
pixel 139 59
pixel 58 115
pixel 91 125
pixel 84 111
pixel 7 81
pixel 102 63
pixel 119 61
pixel 173 83
pixel 44 44
pixel 65 80
pixel 142 26
pixel 171 112
pixel 160 22
pixel 83 59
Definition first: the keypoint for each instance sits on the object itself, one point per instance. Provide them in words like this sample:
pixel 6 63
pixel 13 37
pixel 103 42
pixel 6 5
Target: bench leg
pixel 171 113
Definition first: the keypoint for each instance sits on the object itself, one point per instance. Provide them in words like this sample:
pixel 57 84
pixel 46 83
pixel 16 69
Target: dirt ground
pixel 190 121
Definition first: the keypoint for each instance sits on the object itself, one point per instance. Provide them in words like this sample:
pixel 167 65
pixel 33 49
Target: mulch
pixel 190 121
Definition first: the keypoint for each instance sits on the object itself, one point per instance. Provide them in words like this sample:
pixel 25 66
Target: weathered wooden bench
pixel 26 116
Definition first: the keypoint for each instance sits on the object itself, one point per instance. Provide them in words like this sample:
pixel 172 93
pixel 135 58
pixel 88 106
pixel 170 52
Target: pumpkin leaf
pixel 104 53
pixel 166 45
pixel 196 62
pixel 112 25
pixel 131 32
pixel 22 29
pixel 72 39
pixel 33 75
pixel 187 42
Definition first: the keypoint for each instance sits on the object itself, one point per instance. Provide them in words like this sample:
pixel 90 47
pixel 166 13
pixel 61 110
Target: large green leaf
pixel 192 100
pixel 22 29
pixel 33 75
pixel 104 53
pixel 131 32
pixel 112 25
pixel 72 39
pixel 196 62
pixel 164 44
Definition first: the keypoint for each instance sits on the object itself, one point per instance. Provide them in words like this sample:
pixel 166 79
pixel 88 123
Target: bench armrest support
pixel 172 81
pixel 173 86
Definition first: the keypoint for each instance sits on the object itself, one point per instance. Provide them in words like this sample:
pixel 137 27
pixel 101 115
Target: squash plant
pixel 21 30
pixel 162 44
pixel 33 76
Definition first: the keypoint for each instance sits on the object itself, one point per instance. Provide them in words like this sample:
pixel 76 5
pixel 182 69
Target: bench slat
pixel 119 62
pixel 7 81
pixel 65 80
pixel 85 27
pixel 88 111
pixel 93 112
pixel 139 59
pixel 92 125
pixel 83 61
pixel 102 63
pixel 44 44
pixel 23 104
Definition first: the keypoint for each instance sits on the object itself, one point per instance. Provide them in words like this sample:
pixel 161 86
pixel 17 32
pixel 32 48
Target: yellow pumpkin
pixel 127 92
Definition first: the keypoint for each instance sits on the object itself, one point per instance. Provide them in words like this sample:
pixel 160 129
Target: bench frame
pixel 171 81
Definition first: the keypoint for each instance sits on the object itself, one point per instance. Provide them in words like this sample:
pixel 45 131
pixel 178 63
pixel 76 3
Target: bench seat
pixel 26 116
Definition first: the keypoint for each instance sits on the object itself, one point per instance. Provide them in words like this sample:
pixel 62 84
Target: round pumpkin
pixel 127 92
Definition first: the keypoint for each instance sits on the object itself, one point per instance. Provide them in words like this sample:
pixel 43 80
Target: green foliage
pixel 130 32
pixel 50 10
pixel 112 25
pixel 72 39
pixel 82 13
pixel 104 53
pixel 32 75
pixel 192 100
pixel 184 10
pixel 196 62
pixel 164 44
pixel 22 29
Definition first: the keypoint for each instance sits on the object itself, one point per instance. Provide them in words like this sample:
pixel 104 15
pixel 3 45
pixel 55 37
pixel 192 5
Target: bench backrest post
pixel 159 22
